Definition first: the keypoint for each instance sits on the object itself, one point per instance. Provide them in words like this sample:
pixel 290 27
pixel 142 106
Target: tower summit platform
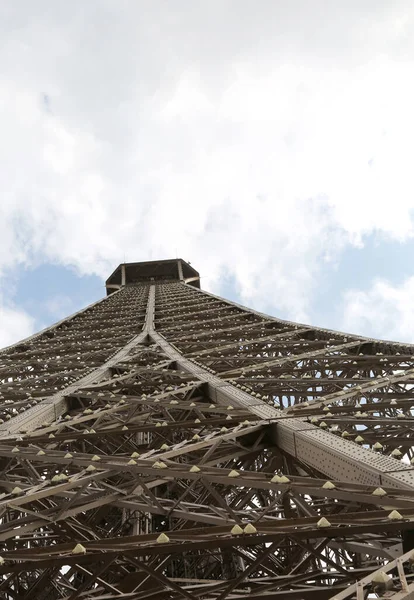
pixel 152 271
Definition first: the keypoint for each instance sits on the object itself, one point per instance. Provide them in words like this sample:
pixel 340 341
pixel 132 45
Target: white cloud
pixel 384 310
pixel 59 306
pixel 256 142
pixel 15 324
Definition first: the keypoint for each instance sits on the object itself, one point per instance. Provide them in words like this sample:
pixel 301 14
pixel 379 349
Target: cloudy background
pixel 269 143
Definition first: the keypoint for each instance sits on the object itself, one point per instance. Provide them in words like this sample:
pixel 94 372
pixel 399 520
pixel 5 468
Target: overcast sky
pixel 269 143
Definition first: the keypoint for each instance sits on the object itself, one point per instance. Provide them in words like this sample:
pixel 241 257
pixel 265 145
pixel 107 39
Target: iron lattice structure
pixel 166 443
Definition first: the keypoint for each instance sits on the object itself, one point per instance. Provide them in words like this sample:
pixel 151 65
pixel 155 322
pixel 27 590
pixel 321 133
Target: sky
pixel 268 143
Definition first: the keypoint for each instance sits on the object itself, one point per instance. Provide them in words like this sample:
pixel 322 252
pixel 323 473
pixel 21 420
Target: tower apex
pixel 175 269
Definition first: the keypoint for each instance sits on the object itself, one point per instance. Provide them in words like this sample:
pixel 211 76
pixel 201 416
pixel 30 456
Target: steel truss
pixel 166 443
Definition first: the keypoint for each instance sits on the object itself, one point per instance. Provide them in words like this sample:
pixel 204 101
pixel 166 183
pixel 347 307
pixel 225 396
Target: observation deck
pixel 176 269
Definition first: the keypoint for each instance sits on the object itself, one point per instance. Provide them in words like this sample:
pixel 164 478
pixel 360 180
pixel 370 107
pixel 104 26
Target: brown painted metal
pixel 163 410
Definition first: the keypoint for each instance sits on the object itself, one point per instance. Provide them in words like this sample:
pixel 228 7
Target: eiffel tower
pixel 166 443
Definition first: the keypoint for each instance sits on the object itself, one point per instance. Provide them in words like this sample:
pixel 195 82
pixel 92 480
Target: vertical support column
pixel 123 275
pixel 180 270
pixel 149 319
